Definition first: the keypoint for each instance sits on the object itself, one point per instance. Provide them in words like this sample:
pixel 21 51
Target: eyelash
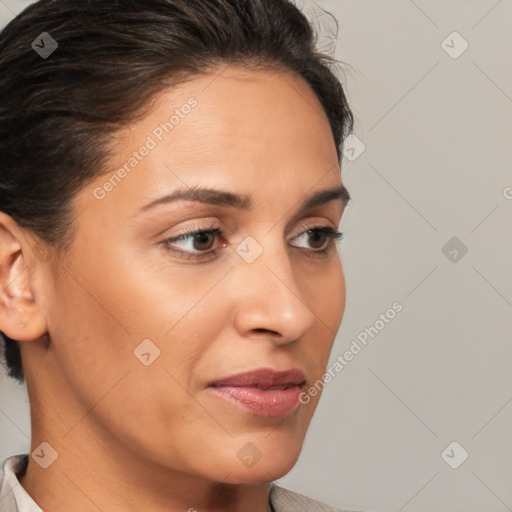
pixel 333 237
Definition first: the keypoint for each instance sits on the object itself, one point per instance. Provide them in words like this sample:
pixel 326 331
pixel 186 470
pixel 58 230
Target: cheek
pixel 113 306
pixel 326 296
pixel 337 299
pixel 94 354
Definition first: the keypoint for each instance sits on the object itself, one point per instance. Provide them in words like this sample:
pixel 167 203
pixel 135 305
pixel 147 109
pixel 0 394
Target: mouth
pixel 262 392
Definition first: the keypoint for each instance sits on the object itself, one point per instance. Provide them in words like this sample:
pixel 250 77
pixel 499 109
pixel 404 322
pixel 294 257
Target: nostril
pixel 262 330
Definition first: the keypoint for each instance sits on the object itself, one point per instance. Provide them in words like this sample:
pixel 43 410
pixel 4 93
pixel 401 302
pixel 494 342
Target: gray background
pixel 436 126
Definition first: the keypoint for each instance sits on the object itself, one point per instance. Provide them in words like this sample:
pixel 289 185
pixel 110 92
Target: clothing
pixel 14 498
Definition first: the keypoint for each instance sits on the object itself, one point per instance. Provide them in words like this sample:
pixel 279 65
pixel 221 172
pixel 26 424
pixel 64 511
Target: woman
pixel 169 200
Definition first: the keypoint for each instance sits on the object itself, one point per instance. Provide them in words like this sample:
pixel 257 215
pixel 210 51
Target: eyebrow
pixel 243 201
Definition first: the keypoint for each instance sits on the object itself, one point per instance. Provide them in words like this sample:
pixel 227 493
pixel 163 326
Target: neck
pixel 82 481
pixel 94 471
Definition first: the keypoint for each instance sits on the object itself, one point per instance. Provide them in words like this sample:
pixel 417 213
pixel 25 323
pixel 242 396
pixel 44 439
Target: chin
pixel 260 474
pixel 267 465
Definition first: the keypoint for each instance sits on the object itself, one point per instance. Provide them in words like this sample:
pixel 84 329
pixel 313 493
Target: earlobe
pixel 21 317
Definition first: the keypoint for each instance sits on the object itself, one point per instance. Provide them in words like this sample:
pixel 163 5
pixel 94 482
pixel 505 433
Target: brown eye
pixel 203 241
pixel 194 245
pixel 316 238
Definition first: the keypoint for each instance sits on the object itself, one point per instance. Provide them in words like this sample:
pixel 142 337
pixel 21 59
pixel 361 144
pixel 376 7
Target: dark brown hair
pixel 58 111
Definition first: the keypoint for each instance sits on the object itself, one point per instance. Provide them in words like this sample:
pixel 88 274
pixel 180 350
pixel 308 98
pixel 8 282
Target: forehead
pixel 239 108
pixel 233 129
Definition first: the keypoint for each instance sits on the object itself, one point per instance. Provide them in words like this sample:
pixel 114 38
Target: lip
pixel 263 378
pixel 250 391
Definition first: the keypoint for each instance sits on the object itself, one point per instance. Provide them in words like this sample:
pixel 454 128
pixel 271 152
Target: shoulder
pixel 284 500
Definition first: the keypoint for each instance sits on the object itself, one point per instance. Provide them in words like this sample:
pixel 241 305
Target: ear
pixel 21 315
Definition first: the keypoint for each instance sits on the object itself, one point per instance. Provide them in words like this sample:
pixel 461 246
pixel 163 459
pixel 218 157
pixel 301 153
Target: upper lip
pixel 263 378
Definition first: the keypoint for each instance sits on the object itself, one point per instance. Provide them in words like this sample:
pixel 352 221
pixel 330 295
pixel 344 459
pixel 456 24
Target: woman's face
pixel 141 327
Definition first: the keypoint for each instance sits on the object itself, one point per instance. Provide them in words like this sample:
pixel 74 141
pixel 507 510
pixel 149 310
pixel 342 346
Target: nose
pixel 269 301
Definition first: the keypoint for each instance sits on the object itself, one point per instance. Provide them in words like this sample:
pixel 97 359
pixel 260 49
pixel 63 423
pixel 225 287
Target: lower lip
pixel 271 403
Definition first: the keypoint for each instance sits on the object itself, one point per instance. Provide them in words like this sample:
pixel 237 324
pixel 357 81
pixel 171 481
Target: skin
pixel 132 437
